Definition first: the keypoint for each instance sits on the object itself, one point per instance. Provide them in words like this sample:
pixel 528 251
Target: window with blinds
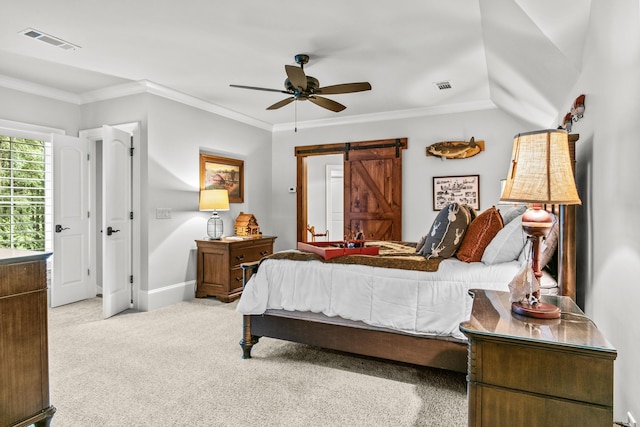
pixel 23 191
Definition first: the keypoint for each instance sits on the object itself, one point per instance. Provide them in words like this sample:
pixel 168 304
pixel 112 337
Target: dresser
pixel 24 352
pixel 537 372
pixel 219 271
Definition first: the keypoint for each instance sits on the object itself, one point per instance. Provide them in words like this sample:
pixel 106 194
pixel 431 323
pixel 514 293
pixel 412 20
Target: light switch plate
pixel 163 213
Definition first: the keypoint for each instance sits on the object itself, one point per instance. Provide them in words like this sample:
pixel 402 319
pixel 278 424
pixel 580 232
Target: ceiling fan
pixel 302 87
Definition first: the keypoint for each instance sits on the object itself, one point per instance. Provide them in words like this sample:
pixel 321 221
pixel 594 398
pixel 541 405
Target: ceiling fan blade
pixel 344 88
pixel 327 103
pixel 260 88
pixel 296 76
pixel 281 103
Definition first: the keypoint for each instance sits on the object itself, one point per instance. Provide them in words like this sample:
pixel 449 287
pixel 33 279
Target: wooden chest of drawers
pixel 24 363
pixel 219 272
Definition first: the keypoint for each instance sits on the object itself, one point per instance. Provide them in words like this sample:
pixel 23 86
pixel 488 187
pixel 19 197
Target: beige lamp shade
pixel 214 200
pixel 541 170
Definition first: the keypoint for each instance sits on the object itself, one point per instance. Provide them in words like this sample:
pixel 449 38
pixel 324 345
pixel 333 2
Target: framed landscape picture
pixel 222 173
pixel 464 190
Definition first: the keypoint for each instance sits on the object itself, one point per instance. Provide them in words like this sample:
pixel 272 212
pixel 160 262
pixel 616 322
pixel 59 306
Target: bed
pixel 384 311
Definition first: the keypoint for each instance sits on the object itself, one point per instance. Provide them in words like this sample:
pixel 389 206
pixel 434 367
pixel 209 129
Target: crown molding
pixel 389 115
pixel 192 101
pixel 146 86
pixel 38 89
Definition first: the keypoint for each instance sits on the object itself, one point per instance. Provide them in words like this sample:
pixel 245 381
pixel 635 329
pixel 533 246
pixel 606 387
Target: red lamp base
pixel 539 310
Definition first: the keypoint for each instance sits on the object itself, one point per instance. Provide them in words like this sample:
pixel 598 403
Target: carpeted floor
pixel 181 366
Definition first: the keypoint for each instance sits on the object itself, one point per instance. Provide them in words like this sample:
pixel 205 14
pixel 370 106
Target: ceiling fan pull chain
pixel 295 116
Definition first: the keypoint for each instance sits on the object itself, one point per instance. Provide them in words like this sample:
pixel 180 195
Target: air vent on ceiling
pixel 443 85
pixel 47 38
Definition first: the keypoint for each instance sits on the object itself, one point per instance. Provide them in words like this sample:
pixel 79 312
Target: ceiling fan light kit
pixel 301 87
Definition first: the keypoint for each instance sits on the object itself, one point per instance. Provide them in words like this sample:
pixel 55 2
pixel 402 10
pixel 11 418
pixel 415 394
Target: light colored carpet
pixel 181 366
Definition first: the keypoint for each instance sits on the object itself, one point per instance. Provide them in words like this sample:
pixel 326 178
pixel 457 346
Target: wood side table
pixel 538 372
pixel 219 272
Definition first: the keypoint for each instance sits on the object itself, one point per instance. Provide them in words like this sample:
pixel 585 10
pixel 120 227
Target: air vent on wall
pixel 47 38
pixel 443 85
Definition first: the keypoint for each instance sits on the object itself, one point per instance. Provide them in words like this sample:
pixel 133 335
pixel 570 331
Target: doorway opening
pixel 372 200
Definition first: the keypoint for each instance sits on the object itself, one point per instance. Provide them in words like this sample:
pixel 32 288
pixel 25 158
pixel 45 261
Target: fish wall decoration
pixel 455 149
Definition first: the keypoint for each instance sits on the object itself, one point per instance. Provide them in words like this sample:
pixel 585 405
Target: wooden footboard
pixel 422 351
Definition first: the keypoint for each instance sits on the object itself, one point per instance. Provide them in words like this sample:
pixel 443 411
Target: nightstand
pixel 219 271
pixel 526 371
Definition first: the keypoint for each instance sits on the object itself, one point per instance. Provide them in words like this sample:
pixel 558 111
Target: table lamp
pixel 214 200
pixel 540 173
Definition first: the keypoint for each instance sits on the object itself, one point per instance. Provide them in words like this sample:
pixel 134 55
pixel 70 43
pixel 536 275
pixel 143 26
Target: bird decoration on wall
pixel 455 149
pixel 575 113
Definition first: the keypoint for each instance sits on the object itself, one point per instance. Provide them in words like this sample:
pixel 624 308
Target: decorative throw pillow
pixel 511 213
pixel 507 244
pixel 420 244
pixel 446 232
pixel 472 212
pixel 479 234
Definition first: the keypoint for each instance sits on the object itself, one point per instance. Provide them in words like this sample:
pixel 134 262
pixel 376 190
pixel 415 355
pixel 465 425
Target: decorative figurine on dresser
pixel 24 360
pixel 247 225
pixel 219 272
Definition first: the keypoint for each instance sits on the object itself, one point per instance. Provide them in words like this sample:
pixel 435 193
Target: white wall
pixel 176 136
pixel 172 137
pixel 38 110
pixel 608 155
pixel 493 126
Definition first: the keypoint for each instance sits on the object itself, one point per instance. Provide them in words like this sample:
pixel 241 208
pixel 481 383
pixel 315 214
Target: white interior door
pixel 335 201
pixel 71 238
pixel 116 221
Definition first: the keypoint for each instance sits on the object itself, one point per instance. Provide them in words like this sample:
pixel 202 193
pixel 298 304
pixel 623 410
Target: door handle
pixel 59 228
pixel 110 231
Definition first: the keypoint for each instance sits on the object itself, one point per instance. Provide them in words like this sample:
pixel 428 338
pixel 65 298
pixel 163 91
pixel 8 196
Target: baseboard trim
pixel 167 295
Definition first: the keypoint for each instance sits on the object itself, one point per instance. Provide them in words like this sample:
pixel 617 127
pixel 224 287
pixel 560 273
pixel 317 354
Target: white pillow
pixel 507 244
pixel 511 213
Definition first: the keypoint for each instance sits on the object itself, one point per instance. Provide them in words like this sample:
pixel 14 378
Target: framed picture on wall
pixel 456 189
pixel 222 173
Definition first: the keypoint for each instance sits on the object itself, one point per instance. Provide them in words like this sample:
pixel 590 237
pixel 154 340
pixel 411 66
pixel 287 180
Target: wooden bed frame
pixel 387 344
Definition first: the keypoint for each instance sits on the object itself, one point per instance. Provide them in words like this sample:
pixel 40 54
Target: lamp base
pixel 539 310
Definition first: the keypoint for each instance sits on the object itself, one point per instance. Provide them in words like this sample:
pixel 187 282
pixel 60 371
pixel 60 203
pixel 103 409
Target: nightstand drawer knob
pixel 264 253
pixel 239 257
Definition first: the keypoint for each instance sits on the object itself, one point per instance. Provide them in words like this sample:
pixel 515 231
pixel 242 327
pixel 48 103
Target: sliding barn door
pixel 373 191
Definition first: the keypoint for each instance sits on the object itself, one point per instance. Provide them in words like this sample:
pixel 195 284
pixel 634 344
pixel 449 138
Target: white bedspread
pixel 417 302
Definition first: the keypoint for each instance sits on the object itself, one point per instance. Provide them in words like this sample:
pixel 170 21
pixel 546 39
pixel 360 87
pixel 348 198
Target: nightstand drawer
pixel 240 255
pixel 556 371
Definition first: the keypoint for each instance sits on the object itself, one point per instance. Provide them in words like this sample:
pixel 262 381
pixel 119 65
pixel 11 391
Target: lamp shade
pixel 541 170
pixel 214 200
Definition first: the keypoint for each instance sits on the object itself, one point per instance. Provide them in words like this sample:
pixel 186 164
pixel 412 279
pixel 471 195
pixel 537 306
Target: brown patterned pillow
pixel 447 232
pixel 479 234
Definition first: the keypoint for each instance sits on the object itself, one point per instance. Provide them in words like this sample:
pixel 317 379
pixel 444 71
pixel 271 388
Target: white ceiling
pixel 520 55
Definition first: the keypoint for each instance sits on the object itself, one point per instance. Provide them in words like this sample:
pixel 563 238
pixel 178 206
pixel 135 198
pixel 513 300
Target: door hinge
pixel 88 214
pixel 131 214
pixel 131 279
pixel 88 272
pixel 88 156
pixel 131 151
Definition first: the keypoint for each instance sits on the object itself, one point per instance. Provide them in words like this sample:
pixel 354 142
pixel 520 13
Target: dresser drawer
pixel 249 254
pixel 22 277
